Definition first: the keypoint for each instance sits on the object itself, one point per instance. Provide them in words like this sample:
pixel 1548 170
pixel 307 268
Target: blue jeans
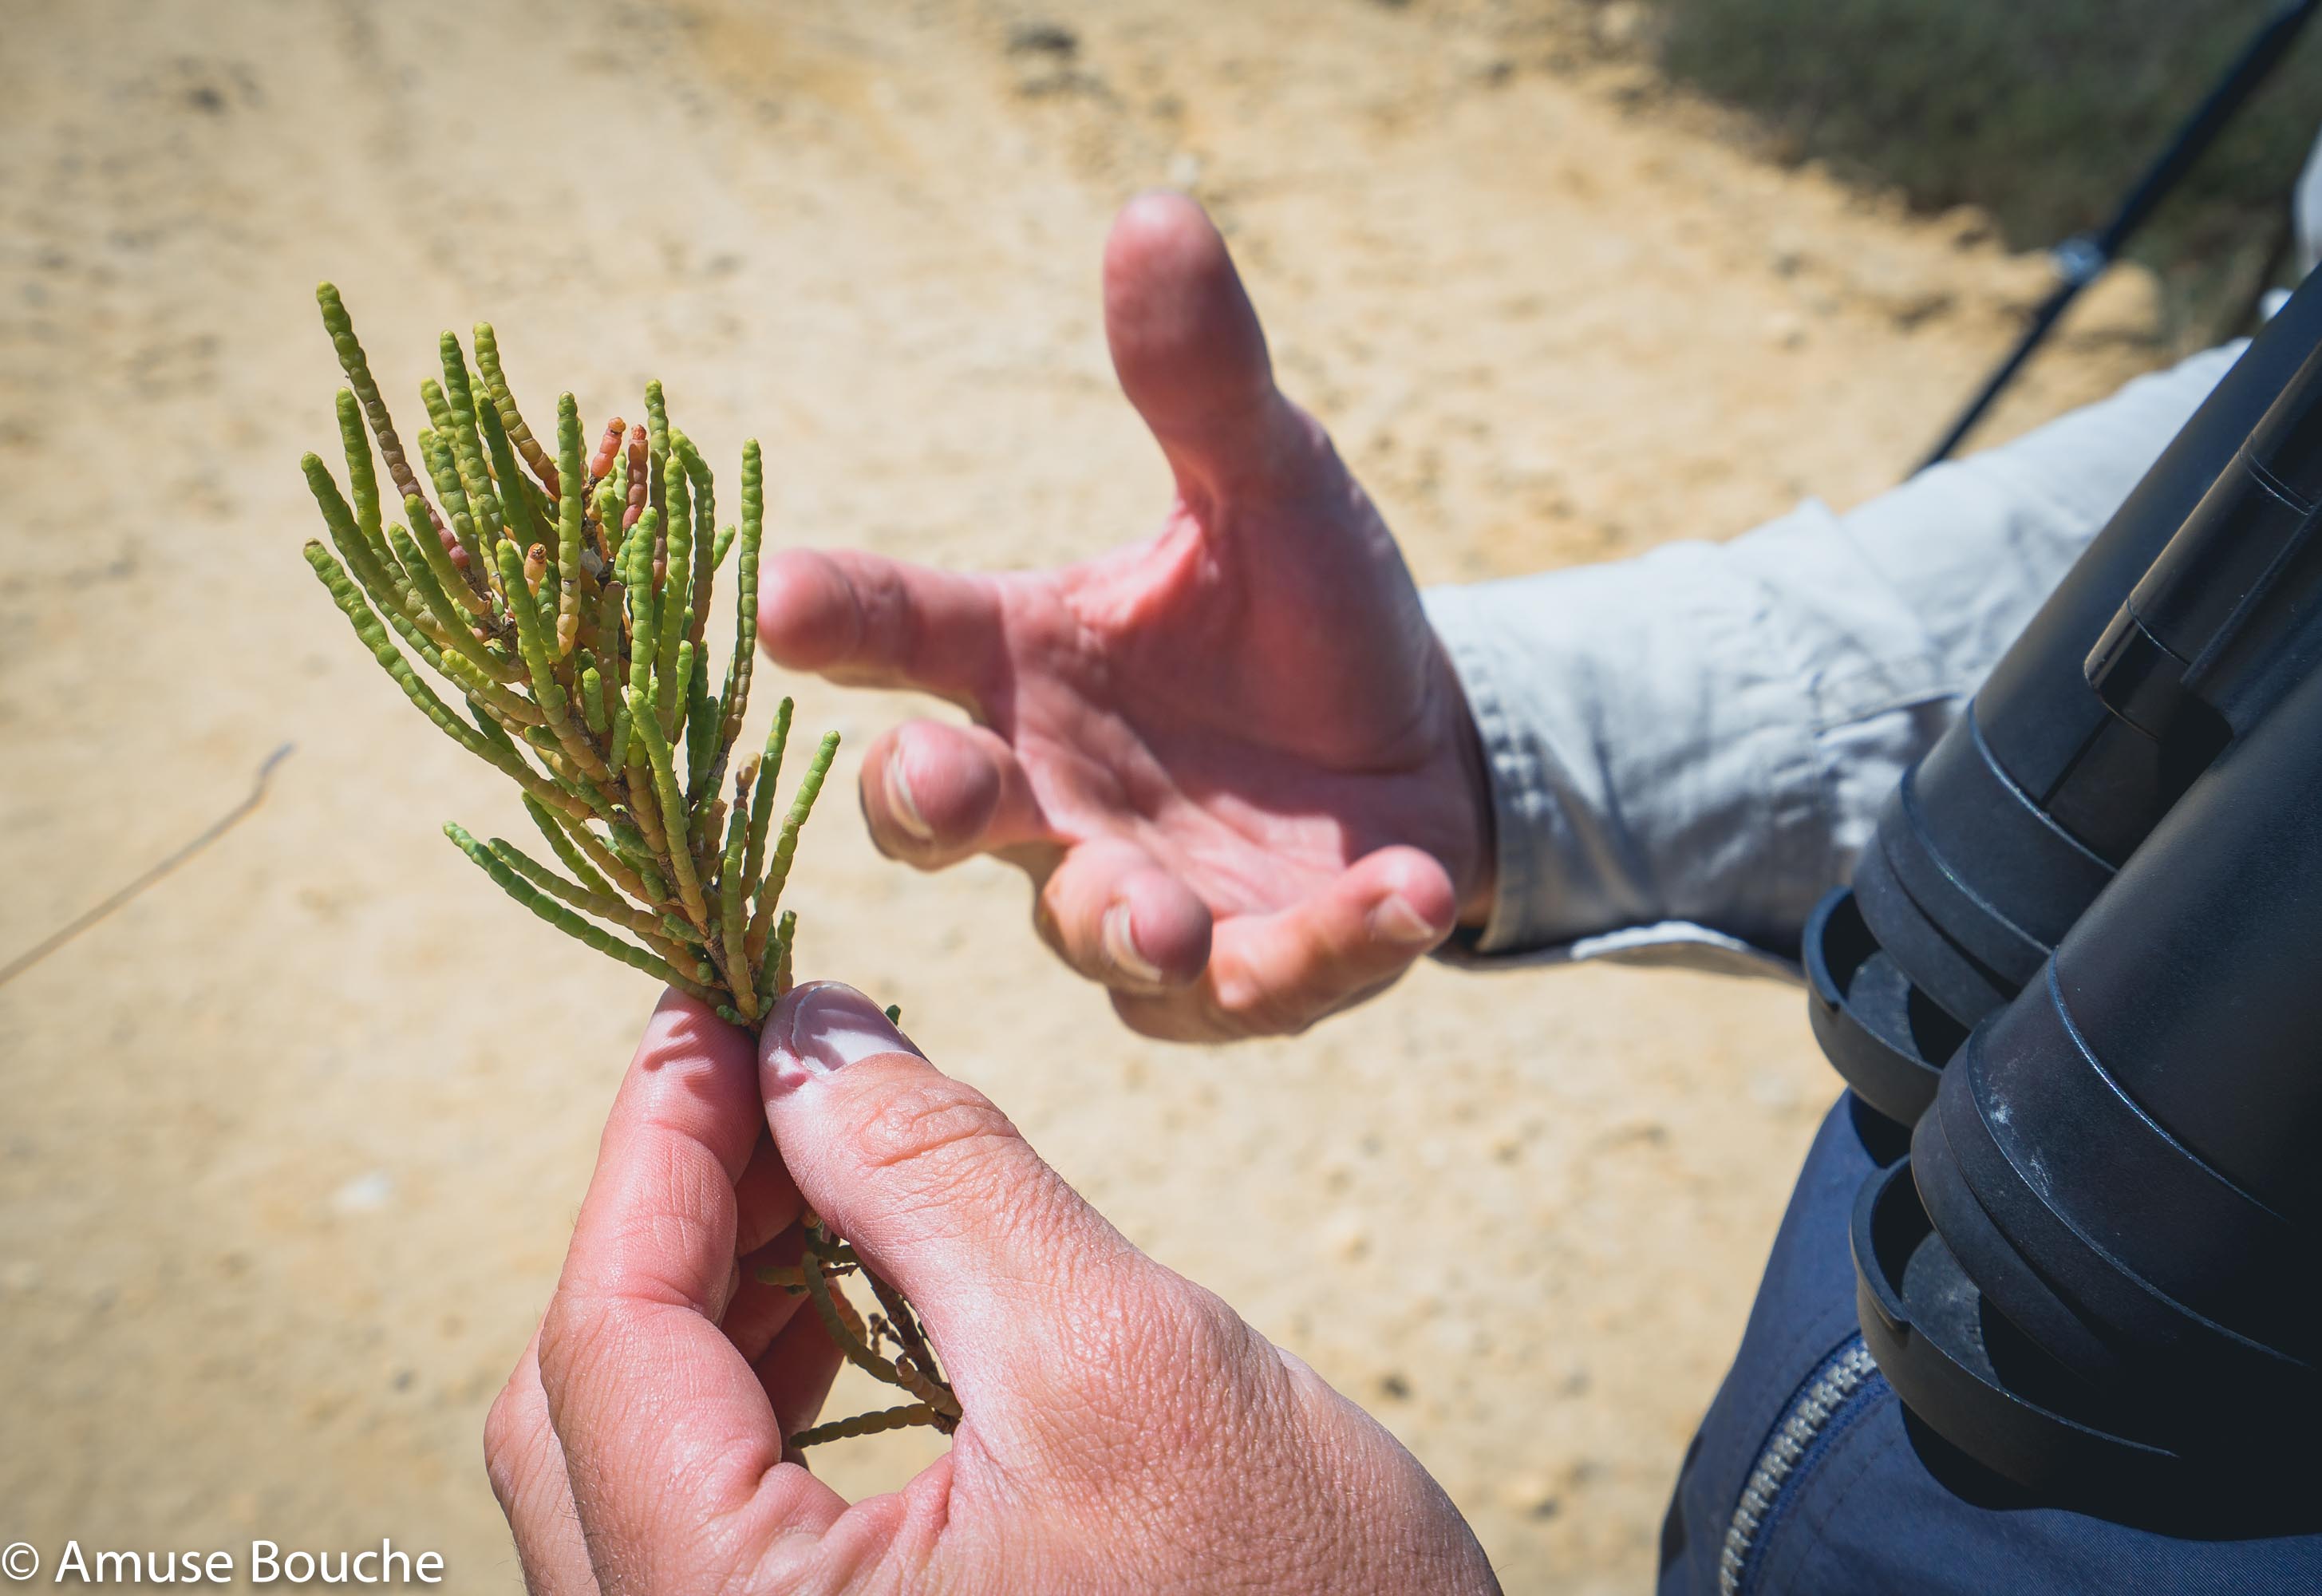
pixel 1858 1511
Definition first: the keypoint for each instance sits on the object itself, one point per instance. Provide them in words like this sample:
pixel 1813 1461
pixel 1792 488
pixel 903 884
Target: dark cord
pixel 2079 262
pixel 216 830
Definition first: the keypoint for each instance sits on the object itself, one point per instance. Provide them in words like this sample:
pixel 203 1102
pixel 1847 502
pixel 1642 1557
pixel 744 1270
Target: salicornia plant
pixel 566 599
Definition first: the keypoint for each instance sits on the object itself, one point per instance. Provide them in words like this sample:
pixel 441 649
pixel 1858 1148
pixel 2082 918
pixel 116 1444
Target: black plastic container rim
pixel 1891 1081
pixel 2055 1460
pixel 1917 1365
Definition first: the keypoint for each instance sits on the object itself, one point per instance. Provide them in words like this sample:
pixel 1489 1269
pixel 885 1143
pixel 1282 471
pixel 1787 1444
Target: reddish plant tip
pixel 600 463
pixel 640 480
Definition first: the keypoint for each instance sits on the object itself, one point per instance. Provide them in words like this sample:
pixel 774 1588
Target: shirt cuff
pixel 1678 944
pixel 1649 732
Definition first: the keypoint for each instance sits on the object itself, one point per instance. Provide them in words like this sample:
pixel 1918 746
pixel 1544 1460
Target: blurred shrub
pixel 2041 112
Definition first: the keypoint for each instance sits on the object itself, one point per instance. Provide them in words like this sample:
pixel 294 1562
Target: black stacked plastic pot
pixel 2083 957
pixel 2094 1273
pixel 1997 842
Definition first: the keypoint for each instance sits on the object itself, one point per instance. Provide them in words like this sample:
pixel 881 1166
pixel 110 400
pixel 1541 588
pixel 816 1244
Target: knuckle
pixel 574 1333
pixel 890 620
pixel 503 1440
pixel 934 1128
pixel 1206 1329
pixel 1171 1323
pixel 516 1436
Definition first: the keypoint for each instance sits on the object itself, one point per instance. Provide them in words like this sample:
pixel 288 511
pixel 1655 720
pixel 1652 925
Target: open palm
pixel 1233 757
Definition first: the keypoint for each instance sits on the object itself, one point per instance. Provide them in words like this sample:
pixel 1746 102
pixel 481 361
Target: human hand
pixel 1124 1430
pixel 1234 759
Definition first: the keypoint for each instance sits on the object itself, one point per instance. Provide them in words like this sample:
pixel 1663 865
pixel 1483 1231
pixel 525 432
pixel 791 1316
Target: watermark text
pixel 259 1563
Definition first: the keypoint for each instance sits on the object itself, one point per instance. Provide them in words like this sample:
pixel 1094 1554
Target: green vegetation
pixel 566 601
pixel 2041 112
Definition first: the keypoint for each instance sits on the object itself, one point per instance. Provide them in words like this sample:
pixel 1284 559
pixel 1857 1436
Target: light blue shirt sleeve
pixel 1687 748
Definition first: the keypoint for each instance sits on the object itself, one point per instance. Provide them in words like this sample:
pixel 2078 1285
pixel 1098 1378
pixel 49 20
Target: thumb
pixel 941 1197
pixel 1187 347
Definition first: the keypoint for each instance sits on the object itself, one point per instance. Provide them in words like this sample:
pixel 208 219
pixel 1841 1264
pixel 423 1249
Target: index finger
pixel 867 621
pixel 675 1455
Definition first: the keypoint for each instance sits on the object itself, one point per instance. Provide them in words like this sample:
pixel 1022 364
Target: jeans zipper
pixel 1841 1376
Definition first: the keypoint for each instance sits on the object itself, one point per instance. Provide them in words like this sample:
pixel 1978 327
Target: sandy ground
pixel 283 1191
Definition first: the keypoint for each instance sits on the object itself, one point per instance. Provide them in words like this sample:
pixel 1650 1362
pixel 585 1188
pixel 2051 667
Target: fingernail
pixel 906 808
pixel 825 1026
pixel 1396 920
pixel 1118 939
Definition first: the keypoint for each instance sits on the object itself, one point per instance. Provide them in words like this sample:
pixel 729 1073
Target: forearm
pixel 1700 738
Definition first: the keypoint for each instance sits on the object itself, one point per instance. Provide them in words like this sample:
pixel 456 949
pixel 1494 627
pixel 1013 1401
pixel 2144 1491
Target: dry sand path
pixel 279 1196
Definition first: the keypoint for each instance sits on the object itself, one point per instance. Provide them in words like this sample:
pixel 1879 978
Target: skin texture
pixel 1125 1431
pixel 1233 759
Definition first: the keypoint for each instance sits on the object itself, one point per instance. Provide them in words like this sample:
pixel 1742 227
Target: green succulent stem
pixel 762 797
pixel 775 968
pixel 362 481
pixel 531 640
pixel 568 853
pixel 572 579
pixel 357 367
pixel 383 649
pixel 568 603
pixel 564 920
pixel 604 905
pixel 643 727
pixel 496 386
pixel 521 516
pixel 733 906
pixel 785 845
